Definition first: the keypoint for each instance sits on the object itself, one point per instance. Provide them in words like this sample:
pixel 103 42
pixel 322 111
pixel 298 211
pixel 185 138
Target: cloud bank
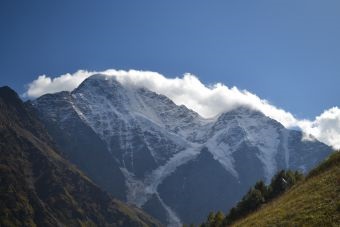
pixel 208 101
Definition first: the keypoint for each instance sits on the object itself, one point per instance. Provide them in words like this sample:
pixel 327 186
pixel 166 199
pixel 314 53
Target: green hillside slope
pixel 313 202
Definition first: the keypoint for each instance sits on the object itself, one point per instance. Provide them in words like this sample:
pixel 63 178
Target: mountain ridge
pixel 40 188
pixel 148 138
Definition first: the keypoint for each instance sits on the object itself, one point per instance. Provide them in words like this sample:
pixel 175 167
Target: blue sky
pixel 286 51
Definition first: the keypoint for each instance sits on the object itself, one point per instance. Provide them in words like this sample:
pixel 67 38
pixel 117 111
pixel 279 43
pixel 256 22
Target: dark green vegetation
pixel 261 194
pixel 313 201
pixel 257 195
pixel 39 188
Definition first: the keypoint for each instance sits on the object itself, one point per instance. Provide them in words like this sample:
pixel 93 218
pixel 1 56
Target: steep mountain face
pixel 40 188
pixel 169 160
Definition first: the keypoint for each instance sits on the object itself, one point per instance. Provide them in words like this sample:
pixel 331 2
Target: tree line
pixel 257 195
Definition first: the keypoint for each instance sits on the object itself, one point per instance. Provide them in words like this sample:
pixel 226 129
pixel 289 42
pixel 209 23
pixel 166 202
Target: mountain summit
pixel 143 148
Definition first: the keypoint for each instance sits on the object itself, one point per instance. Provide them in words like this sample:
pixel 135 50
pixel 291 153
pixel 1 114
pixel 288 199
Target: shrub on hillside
pixel 257 195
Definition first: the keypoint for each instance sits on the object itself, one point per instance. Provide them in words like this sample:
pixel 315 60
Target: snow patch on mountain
pixel 222 153
pixel 285 135
pixel 173 219
pixel 265 136
pixel 136 189
pixel 158 175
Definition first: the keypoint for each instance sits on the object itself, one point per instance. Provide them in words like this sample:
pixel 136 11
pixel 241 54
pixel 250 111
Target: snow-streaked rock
pixel 152 142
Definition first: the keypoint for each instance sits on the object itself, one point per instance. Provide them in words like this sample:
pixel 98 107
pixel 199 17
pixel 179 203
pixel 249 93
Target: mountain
pixel 313 202
pixel 167 159
pixel 38 187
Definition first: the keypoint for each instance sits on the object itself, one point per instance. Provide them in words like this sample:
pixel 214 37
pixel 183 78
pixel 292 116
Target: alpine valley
pixel 144 149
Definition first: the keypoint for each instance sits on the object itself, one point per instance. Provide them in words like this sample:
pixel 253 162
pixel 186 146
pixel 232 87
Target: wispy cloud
pixel 208 101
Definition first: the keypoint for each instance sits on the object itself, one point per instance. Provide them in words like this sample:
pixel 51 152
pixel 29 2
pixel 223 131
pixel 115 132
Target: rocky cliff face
pixel 38 187
pixel 142 147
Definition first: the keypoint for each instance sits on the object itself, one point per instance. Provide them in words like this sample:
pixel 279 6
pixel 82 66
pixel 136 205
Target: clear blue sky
pixel 286 51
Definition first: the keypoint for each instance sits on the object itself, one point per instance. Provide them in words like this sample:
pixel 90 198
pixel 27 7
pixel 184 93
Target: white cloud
pixel 44 84
pixel 208 101
pixel 325 127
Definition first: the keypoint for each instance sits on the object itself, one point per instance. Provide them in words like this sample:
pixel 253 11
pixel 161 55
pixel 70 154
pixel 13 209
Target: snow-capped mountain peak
pixel 164 151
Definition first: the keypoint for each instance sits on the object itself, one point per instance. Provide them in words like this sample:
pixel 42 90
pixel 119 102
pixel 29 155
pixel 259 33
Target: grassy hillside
pixel 312 202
